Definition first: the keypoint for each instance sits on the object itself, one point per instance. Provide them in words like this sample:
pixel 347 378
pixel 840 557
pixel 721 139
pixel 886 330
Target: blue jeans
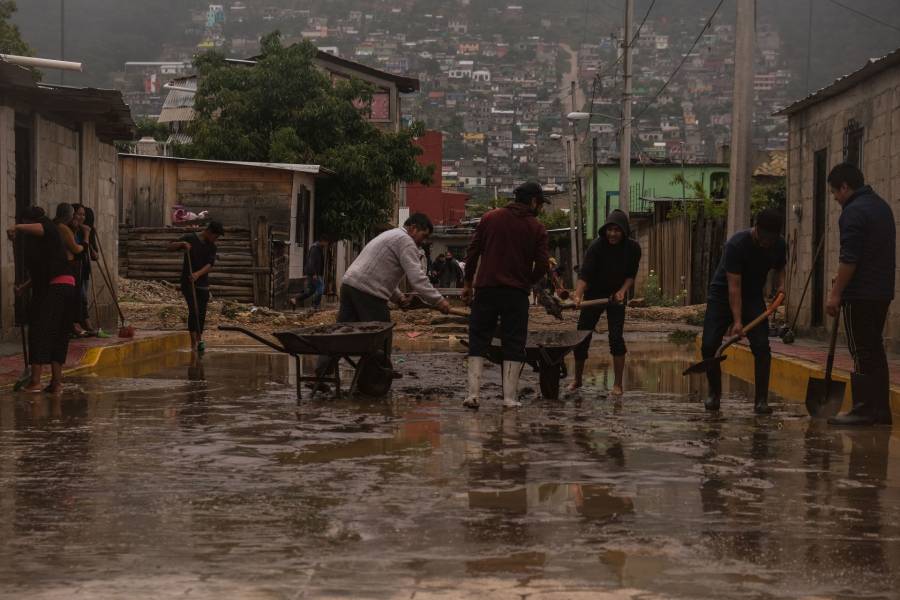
pixel 716 324
pixel 315 289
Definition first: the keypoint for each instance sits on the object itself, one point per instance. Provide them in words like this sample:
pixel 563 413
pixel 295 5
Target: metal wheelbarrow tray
pixel 370 342
pixel 545 352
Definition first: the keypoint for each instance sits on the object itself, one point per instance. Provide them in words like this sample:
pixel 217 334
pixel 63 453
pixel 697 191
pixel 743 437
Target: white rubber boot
pixel 475 366
pixel 511 373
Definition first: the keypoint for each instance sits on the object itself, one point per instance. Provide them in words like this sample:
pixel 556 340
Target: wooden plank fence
pixel 243 270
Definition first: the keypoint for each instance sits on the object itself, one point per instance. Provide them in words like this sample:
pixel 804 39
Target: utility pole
pixel 742 119
pixel 625 145
pixel 62 38
pixel 573 236
pixel 575 210
pixel 595 186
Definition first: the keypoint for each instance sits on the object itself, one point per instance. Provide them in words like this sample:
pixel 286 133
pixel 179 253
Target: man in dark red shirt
pixel 508 255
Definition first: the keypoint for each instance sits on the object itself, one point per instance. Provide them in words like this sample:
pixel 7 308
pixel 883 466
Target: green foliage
pixel 286 110
pixel 556 219
pixel 654 296
pixel 772 195
pixel 477 209
pixel 693 209
pixel 152 128
pixel 11 41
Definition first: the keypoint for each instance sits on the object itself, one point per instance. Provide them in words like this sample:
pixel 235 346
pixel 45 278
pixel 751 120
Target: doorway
pixel 24 158
pixel 819 216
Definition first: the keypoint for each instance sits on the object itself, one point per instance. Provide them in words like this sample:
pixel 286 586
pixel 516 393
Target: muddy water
pixel 208 480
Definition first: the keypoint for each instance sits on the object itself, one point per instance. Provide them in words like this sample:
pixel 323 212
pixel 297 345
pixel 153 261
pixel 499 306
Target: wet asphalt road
pixel 210 481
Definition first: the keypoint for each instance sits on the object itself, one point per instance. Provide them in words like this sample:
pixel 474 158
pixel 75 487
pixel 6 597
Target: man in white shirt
pixel 374 277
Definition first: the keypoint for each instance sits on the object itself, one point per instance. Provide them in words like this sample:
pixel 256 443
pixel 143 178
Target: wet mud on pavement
pixel 208 480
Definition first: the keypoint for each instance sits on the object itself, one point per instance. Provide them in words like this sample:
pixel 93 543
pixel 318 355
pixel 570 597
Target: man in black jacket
pixel 610 266
pixel 864 289
pixel 314 269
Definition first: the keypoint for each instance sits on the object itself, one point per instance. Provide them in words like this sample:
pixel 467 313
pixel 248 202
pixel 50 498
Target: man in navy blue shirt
pixel 864 289
pixel 736 297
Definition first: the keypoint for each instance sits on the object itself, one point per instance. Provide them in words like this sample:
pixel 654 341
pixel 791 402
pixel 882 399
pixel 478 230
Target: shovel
pixel 705 365
pixel 417 303
pixel 824 397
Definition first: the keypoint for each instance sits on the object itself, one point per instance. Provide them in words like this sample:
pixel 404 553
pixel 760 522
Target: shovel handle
pixel 829 364
pixel 765 315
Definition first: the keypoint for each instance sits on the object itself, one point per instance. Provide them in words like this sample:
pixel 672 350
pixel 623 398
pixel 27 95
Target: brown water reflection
pixel 207 479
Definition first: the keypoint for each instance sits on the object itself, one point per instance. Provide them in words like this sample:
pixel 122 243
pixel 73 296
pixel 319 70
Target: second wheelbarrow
pixel 545 352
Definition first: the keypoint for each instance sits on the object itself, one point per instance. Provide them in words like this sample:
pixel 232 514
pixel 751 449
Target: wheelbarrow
pixel 545 352
pixel 365 346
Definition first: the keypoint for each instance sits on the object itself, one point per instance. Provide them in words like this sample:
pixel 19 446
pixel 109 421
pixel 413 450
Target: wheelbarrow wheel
pixel 549 379
pixel 376 375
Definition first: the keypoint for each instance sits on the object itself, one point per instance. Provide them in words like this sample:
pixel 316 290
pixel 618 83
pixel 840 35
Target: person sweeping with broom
pixel 199 258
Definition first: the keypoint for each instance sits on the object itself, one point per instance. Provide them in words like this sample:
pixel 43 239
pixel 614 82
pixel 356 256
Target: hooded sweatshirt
pixel 607 266
pixel 509 249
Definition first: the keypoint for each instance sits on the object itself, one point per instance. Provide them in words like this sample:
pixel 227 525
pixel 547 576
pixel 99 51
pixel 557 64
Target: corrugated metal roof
pixel 176 115
pixel 844 83
pixel 296 168
pixel 105 108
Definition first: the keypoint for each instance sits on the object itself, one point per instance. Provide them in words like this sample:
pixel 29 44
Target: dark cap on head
pixel 216 228
pixel 528 190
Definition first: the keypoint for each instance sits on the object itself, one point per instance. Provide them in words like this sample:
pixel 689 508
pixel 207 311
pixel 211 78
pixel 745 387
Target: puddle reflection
pixel 208 467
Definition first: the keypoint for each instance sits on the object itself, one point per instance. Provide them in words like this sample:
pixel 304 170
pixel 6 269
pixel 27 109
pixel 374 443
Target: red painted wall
pixel 443 208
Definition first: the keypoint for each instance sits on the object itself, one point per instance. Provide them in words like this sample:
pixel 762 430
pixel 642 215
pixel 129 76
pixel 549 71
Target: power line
pixel 865 15
pixel 680 64
pixel 629 44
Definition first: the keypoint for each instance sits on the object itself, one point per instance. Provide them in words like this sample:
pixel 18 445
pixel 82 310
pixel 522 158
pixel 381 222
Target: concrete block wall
pixel 7 219
pixel 875 105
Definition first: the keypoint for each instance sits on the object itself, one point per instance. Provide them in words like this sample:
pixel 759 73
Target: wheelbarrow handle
pixel 253 335
pixel 765 315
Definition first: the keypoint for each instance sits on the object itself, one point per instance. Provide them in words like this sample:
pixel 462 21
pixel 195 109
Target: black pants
pixel 715 325
pixel 200 312
pixel 49 336
pixel 864 322
pixel 615 318
pixel 358 307
pixel 510 306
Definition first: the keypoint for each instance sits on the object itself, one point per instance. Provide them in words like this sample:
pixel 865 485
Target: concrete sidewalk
pixel 793 365
pixel 90 354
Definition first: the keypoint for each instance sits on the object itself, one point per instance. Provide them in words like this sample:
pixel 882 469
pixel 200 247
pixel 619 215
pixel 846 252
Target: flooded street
pixel 210 481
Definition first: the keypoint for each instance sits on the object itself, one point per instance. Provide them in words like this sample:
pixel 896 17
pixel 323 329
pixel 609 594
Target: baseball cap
pixel 528 190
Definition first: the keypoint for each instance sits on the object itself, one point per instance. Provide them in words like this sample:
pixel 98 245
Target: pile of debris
pixel 136 290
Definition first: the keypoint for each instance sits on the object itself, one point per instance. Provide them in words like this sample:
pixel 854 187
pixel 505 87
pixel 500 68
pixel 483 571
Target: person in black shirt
pixel 864 289
pixel 736 297
pixel 54 301
pixel 314 269
pixel 610 266
pixel 200 256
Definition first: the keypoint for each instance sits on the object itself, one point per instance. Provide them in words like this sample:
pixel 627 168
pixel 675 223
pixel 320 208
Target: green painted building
pixel 651 181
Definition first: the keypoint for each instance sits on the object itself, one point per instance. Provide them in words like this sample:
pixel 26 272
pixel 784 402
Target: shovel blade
pixel 824 399
pixel 704 365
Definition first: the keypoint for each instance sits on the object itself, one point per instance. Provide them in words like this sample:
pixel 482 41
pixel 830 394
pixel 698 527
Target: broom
pixel 125 330
pixel 201 346
pixel 100 333
pixel 21 307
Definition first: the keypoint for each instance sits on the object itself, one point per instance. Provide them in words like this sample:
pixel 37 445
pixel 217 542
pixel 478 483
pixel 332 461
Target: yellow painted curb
pixel 118 355
pixel 789 375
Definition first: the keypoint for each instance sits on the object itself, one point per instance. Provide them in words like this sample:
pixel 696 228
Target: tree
pixel 700 202
pixel 11 41
pixel 556 219
pixel 285 110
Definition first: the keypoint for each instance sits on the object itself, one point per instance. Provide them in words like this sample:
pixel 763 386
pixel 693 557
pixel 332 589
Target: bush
pixel 654 296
